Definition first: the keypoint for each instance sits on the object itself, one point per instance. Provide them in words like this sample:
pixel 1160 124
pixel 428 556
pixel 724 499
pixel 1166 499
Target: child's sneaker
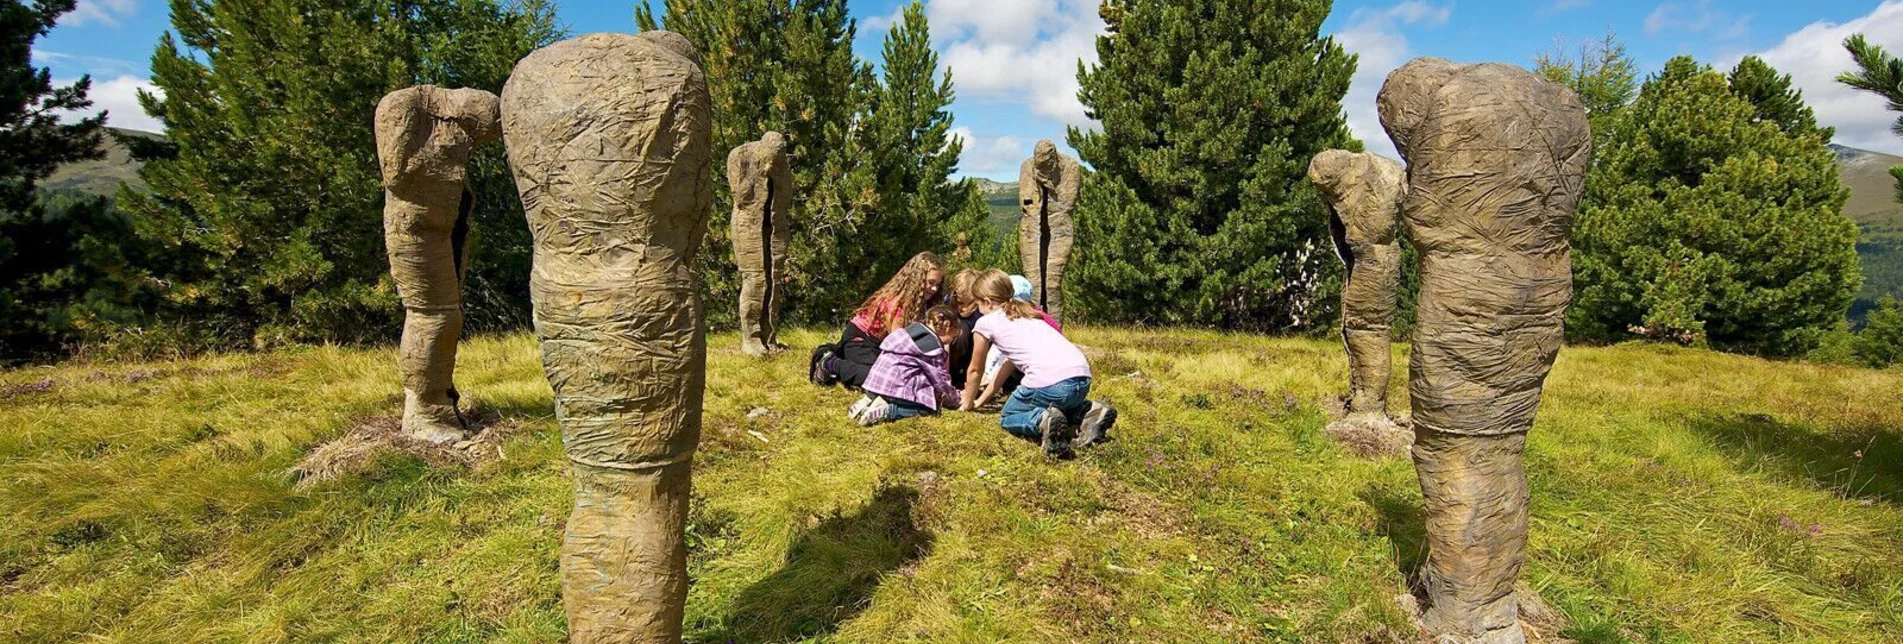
pixel 858 407
pixel 819 375
pixel 874 413
pixel 1096 426
pixel 1056 433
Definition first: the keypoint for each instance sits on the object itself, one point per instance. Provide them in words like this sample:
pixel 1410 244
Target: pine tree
pixel 1198 211
pixel 33 143
pixel 1715 218
pixel 905 136
pixel 783 66
pixel 1602 74
pixel 268 191
pixel 1882 74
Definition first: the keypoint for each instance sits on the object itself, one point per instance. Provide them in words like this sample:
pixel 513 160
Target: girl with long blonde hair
pixel 907 295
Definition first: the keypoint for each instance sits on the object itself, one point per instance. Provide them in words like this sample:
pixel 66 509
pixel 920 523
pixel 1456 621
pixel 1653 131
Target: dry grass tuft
pixel 372 437
pixel 1371 435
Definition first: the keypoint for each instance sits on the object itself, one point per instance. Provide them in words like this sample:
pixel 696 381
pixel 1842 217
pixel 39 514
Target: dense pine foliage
pixel 43 278
pixel 267 193
pixel 1198 211
pixel 1713 216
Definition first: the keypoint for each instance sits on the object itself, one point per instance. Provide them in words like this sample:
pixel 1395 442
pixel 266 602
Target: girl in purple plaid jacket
pixel 912 376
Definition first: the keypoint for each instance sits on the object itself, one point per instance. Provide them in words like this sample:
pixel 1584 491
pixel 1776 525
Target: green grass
pixel 1674 498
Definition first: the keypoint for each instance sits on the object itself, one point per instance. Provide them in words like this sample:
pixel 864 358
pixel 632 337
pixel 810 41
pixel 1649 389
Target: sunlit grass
pixel 1678 496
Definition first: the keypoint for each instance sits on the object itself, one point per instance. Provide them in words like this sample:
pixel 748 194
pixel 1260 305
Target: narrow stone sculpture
pixel 609 137
pixel 1047 194
pixel 1364 193
pixel 425 135
pixel 1496 165
pixel 762 224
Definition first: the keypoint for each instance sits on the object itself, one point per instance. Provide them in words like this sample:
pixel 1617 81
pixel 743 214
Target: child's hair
pixel 907 287
pixel 961 295
pixel 943 320
pixel 995 286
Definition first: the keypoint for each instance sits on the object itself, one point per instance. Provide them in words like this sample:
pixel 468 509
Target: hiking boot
pixel 874 413
pixel 819 375
pixel 1056 433
pixel 1096 426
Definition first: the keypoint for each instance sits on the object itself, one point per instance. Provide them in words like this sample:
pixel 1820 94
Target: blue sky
pixel 1014 60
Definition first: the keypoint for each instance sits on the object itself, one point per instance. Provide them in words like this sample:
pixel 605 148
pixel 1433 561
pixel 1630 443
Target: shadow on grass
pixel 830 572
pixel 1403 520
pixel 1866 463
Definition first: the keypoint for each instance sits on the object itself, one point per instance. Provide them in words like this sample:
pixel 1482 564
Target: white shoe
pixel 874 413
pixel 858 407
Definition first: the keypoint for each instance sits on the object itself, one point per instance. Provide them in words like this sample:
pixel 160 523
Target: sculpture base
pixel 431 423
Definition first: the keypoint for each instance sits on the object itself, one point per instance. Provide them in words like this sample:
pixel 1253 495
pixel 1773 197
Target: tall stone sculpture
pixel 1496 163
pixel 609 137
pixel 762 224
pixel 1364 193
pixel 1047 194
pixel 424 137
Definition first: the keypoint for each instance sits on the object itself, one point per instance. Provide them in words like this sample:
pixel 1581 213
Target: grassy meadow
pixel 1678 496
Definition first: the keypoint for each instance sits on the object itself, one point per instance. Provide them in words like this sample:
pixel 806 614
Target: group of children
pixel 914 350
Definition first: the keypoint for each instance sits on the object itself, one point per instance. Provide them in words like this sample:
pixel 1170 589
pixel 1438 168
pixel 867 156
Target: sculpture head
pixel 477 112
pixel 1046 158
pixel 427 132
pixel 775 142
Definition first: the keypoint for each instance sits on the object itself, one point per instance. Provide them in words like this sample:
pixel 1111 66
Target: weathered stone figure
pixel 1496 162
pixel 609 137
pixel 1047 194
pixel 762 224
pixel 1364 193
pixel 424 137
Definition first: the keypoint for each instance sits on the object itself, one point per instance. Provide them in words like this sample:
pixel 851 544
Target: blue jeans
pixel 1025 408
pixel 901 409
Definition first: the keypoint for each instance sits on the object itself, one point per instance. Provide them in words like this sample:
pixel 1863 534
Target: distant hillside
pixel 1879 217
pixel 1002 198
pixel 103 176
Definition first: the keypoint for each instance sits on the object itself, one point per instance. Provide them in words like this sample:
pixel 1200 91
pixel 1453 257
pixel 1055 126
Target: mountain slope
pixel 102 176
pixel 1879 218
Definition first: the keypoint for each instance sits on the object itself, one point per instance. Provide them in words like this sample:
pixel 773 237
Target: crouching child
pixel 912 376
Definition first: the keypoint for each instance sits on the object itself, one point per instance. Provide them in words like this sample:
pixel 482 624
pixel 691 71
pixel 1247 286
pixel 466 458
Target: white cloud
pixel 119 97
pixel 106 12
pixel 1814 56
pixel 1375 35
pixel 991 156
pixel 1696 18
pixel 84 64
pixel 1557 6
pixel 1023 51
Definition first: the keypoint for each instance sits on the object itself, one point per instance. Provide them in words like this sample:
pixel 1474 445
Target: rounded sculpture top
pixel 775 142
pixel 426 132
pixel 1363 189
pixel 1496 155
pixel 1046 158
pixel 609 140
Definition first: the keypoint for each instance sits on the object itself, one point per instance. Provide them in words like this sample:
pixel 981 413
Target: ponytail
pixel 995 286
pixel 1020 310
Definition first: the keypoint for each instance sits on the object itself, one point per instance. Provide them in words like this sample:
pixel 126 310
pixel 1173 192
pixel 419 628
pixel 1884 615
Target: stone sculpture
pixel 1364 193
pixel 1496 163
pixel 425 135
pixel 609 137
pixel 762 224
pixel 1047 195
